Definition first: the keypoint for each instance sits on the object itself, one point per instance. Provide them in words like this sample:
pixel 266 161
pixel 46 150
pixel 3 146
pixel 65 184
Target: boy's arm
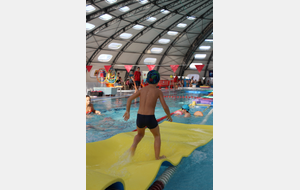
pixel 165 106
pixel 132 97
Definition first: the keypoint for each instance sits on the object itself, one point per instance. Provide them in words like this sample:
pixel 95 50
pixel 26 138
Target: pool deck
pixel 127 93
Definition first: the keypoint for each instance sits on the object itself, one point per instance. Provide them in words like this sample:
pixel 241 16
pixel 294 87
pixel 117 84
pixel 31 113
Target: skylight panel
pixel 89 8
pixel 156 50
pixel 200 56
pixel 124 9
pixel 209 40
pixel 114 46
pixel 125 35
pixel 164 11
pixel 138 27
pixel 204 47
pixel 89 26
pixel 105 57
pixel 150 61
pixel 163 41
pixel 105 17
pixel 191 18
pixel 110 1
pixel 143 1
pixel 192 65
pixel 181 25
pixel 172 33
pixel 151 19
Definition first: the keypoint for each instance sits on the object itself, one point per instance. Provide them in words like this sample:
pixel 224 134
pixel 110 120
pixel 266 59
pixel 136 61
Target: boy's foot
pixel 132 150
pixel 162 157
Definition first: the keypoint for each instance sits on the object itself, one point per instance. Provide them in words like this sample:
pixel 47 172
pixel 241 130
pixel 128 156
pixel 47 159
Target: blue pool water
pixel 194 172
pixel 111 122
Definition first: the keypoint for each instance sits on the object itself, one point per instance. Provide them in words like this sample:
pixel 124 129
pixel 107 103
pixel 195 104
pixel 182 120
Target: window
pixel 105 17
pixel 172 33
pixel 110 1
pixel 192 65
pixel 89 26
pixel 200 56
pixel 149 61
pixel 124 9
pixel 151 19
pixel 89 8
pixel 125 35
pixel 138 27
pixel 156 50
pixel 163 41
pixel 164 11
pixel 209 40
pixel 204 47
pixel 181 25
pixel 143 1
pixel 191 18
pixel 114 45
pixel 105 57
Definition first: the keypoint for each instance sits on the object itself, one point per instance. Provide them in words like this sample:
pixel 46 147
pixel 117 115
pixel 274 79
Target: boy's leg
pixel 157 142
pixel 137 139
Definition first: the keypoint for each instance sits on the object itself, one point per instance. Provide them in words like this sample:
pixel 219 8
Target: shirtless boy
pixel 148 98
pixel 90 107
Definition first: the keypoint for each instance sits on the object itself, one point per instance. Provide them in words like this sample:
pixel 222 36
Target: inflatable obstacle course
pixel 108 162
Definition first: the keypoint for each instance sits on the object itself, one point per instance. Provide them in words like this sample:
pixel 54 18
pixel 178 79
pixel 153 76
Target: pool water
pixel 194 172
pixel 111 122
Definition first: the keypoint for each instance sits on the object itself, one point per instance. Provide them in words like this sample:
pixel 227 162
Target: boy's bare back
pixel 148 99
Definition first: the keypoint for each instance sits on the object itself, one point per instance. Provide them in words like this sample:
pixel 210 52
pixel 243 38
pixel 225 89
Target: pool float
pixel 102 74
pixel 178 112
pixel 194 103
pixel 198 113
pixel 107 163
pixel 111 77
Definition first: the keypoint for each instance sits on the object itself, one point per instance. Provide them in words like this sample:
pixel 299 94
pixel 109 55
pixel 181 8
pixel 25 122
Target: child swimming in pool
pixel 148 98
pixel 184 111
pixel 90 107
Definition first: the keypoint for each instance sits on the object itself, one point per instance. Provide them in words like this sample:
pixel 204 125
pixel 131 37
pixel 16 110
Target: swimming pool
pixel 193 172
pixel 100 127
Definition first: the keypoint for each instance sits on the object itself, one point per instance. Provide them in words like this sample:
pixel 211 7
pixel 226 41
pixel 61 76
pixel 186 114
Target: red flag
pixel 150 67
pixel 89 67
pixel 174 67
pixel 199 67
pixel 107 67
pixel 128 67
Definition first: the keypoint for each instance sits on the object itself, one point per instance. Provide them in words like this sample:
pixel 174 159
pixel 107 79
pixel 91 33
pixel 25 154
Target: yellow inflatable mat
pixel 108 162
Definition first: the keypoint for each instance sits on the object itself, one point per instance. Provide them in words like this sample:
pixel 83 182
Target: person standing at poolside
pixel 176 81
pixel 148 99
pixel 137 78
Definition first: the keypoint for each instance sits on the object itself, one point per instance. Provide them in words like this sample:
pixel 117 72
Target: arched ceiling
pixel 195 15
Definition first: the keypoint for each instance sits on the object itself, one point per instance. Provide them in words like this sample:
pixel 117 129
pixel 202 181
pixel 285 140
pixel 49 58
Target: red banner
pixel 107 67
pixel 174 67
pixel 128 67
pixel 89 67
pixel 199 67
pixel 150 67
